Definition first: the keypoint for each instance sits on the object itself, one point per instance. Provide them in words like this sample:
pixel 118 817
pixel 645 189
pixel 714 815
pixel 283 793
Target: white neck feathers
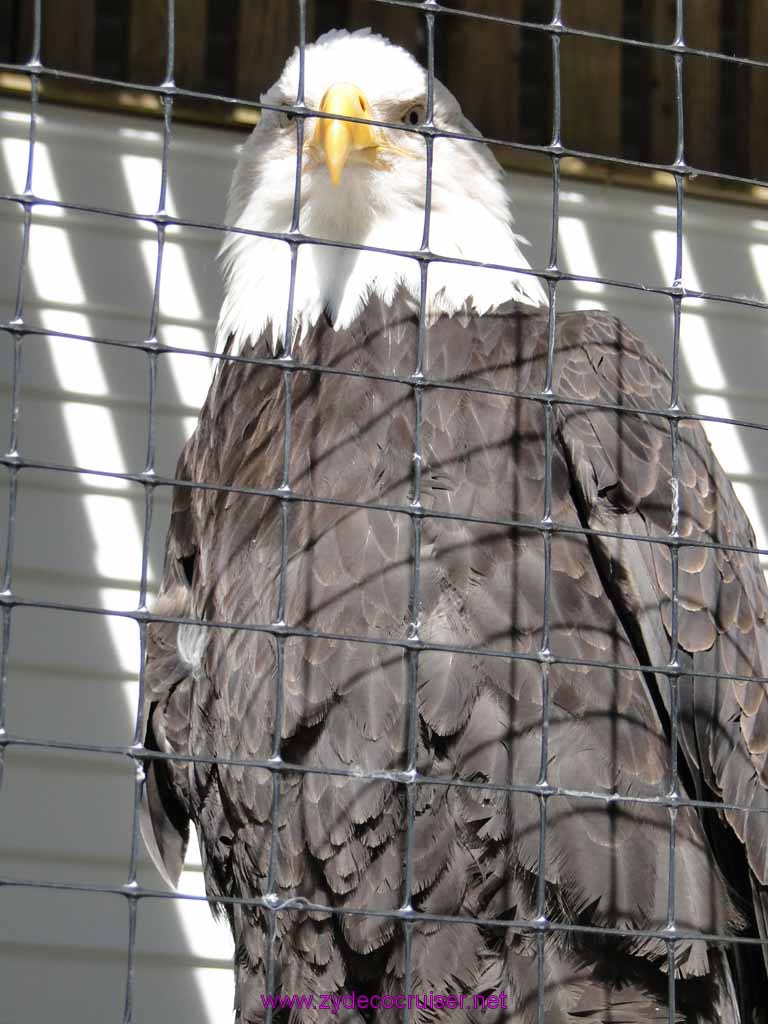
pixel 470 219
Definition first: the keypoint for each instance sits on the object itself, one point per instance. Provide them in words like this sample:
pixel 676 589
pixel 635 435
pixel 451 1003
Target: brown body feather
pixel 341 839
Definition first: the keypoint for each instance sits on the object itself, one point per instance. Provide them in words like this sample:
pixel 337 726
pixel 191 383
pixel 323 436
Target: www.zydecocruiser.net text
pixel 334 1002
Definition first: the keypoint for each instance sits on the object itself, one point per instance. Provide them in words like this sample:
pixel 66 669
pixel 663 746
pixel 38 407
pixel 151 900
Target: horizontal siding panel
pixel 98 436
pixel 11 220
pixel 69 481
pixel 96 868
pixel 68 804
pixel 92 555
pixel 36 869
pixel 203 937
pixel 53 985
pixel 91 283
pixel 39 705
pixel 108 526
pixel 188 934
pixel 95 642
pixel 202 995
pixel 88 987
pixel 59 369
pixel 72 163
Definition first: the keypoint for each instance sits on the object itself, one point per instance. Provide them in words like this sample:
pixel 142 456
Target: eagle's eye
pixel 287 117
pixel 414 115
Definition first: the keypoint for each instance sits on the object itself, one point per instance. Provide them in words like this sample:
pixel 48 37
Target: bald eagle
pixel 442 664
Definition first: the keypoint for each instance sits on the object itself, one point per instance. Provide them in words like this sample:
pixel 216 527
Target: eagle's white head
pixel 364 184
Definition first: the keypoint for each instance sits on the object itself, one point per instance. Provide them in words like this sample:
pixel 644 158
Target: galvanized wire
pixel 412 645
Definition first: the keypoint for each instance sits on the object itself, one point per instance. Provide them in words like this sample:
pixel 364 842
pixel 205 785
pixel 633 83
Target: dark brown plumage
pixel 341 838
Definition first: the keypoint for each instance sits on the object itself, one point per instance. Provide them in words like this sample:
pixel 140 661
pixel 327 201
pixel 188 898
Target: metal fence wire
pixel 552 276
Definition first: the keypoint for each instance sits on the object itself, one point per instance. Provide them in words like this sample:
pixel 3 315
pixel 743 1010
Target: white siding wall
pixel 65 816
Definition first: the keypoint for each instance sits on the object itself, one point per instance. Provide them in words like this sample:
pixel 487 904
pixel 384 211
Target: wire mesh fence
pixel 17 463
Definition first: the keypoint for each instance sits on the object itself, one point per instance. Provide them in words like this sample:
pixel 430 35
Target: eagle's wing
pixel 165 810
pixel 622 465
pixel 341 701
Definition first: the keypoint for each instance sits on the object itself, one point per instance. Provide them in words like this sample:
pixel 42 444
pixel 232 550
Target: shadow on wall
pixel 73 677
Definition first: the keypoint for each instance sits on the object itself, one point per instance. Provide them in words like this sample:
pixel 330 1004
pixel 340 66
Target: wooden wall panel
pixel 402 25
pixel 701 85
pixel 661 96
pixel 591 78
pixel 20 24
pixel 758 99
pixel 191 16
pixel 9 33
pixel 480 63
pixel 148 42
pixel 615 100
pixel 68 35
pixel 268 32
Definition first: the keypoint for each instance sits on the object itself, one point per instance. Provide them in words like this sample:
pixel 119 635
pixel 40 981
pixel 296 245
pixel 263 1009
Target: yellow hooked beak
pixel 338 139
